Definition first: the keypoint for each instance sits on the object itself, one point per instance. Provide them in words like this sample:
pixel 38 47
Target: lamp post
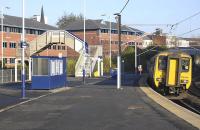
pixel 110 38
pixel 23 47
pixel 84 50
pixel 119 52
pixel 2 9
pixel 135 57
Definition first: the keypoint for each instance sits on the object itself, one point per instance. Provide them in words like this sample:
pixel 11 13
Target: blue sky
pixel 136 12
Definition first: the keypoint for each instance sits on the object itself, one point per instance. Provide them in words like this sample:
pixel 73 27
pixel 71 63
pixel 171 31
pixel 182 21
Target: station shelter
pixel 48 72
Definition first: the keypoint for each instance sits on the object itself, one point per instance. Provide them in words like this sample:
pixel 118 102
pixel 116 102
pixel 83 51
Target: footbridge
pixel 52 37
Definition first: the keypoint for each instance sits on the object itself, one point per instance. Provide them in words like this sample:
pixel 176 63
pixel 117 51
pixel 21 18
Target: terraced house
pixel 12 29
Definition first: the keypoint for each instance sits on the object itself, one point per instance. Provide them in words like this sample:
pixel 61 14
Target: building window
pixel 63 47
pixel 12 60
pixel 54 47
pixel 19 30
pixel 131 33
pixel 6 29
pixel 36 32
pixel 104 30
pixel 59 47
pixel 27 31
pixel 5 60
pixel 4 44
pixel 12 45
pixel 40 32
pixel 32 31
pixel 124 32
pixel 138 33
pixel 114 31
pixel 49 47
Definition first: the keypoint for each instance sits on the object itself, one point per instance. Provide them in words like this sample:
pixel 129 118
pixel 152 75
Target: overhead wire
pixel 173 26
pixel 124 7
pixel 187 18
pixel 189 31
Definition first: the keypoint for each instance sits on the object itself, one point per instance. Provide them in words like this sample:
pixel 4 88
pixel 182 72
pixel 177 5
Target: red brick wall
pixel 92 37
pixel 12 37
pixel 159 40
pixel 71 53
pixel 96 38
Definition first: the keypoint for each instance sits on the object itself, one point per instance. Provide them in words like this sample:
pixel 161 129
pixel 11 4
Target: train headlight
pixel 159 79
pixel 184 81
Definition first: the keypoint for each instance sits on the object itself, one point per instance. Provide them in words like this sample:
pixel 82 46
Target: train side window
pixel 185 64
pixel 162 63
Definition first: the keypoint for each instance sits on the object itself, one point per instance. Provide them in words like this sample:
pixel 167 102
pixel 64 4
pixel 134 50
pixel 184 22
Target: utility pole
pixel 119 52
pixel 119 45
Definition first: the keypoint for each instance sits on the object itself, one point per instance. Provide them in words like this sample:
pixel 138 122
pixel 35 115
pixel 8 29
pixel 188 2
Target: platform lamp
pixel 84 41
pixel 23 47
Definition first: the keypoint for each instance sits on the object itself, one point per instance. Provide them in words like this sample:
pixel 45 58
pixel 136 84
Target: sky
pixel 136 12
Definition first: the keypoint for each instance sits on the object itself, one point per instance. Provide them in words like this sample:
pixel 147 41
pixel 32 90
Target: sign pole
pixel 23 41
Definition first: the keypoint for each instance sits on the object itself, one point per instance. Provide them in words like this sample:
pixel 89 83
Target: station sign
pixel 23 44
pixel 140 68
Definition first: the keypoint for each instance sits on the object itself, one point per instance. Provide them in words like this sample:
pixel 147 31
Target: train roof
pixel 171 52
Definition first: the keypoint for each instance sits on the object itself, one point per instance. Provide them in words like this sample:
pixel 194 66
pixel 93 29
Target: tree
pixel 67 19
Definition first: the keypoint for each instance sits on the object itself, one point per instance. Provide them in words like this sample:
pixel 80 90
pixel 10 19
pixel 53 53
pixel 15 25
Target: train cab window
pixel 185 64
pixel 162 63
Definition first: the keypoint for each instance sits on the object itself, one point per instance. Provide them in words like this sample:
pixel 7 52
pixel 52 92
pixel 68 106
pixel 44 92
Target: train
pixel 170 72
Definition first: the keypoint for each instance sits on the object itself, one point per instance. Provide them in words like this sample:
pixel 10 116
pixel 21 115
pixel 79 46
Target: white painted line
pixel 92 83
pixel 183 113
pixel 18 104
pixel 60 89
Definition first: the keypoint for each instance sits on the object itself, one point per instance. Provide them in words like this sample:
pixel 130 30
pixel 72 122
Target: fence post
pixel 30 65
pixel 11 75
pixel 15 70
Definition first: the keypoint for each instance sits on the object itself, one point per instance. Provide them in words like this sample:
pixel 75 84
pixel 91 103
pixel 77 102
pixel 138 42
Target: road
pixel 93 106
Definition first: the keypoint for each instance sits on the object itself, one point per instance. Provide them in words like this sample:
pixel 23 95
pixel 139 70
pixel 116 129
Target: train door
pixel 173 74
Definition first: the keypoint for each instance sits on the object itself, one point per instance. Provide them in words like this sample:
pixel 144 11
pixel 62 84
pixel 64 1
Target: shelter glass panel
pixel 40 66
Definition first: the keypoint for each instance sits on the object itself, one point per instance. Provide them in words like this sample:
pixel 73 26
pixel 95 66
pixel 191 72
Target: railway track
pixel 189 100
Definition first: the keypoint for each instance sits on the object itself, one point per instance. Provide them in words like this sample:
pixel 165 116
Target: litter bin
pixel 113 73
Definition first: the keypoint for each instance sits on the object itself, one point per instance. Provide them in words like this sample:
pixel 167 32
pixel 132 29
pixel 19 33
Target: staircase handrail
pixel 79 60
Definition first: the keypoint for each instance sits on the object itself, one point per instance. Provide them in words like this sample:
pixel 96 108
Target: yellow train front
pixel 171 72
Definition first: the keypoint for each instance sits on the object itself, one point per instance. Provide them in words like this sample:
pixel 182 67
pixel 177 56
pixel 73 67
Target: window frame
pixel 159 68
pixel 185 58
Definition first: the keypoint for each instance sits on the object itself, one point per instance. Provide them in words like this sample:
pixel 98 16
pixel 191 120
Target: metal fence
pixel 8 75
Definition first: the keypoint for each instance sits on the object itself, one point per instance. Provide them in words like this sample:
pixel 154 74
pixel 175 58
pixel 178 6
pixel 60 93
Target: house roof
pixel 15 21
pixel 98 24
pixel 148 37
pixel 193 39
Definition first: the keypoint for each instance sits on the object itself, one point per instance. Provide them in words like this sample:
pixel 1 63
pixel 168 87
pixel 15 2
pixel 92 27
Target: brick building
pixel 12 30
pixel 98 33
